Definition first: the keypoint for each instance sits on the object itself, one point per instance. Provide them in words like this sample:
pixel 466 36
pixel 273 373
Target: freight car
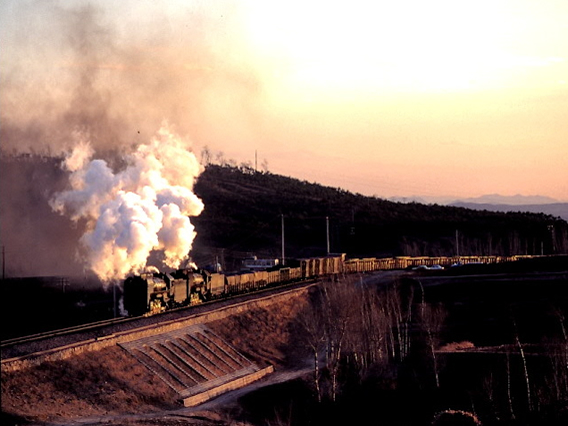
pixel 153 291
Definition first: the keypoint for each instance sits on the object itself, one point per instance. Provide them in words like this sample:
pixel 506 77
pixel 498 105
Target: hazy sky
pixel 392 98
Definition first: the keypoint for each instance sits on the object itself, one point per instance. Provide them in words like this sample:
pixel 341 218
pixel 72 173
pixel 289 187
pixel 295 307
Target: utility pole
pixel 114 298
pixel 457 244
pixel 552 239
pixel 283 256
pixel 327 232
pixel 255 160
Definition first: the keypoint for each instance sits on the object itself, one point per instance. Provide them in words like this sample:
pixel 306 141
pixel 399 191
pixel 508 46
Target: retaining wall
pixel 202 397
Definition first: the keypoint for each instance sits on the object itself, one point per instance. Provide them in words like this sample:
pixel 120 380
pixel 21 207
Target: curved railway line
pixel 155 291
pixel 100 331
pixel 106 329
pixel 63 331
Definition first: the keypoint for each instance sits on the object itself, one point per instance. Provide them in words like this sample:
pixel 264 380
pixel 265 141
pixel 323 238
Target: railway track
pixel 65 331
pixel 108 329
pixel 356 266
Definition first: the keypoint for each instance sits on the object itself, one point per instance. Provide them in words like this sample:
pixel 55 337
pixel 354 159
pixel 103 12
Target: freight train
pixel 153 291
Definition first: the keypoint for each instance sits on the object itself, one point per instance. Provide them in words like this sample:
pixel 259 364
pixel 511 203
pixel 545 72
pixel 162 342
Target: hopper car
pixel 154 292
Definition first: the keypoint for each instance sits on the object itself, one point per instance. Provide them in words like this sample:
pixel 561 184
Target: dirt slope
pixel 95 383
pixel 109 384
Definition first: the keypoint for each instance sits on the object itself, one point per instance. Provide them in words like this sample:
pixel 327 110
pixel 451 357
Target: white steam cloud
pixel 130 213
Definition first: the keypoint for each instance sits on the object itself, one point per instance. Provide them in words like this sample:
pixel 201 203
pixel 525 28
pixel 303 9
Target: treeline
pixel 387 355
pixel 244 210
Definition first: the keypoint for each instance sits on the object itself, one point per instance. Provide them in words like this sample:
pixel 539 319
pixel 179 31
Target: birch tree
pixel 432 318
pixel 312 333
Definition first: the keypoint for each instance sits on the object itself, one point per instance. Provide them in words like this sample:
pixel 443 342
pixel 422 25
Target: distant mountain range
pixel 553 209
pixel 499 203
pixel 511 200
pixel 516 203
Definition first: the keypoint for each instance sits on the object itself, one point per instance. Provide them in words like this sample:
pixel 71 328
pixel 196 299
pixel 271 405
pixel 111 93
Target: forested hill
pixel 244 209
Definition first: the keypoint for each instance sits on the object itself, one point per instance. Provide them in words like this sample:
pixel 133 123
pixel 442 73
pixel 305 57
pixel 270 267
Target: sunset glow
pixel 408 46
pixel 439 98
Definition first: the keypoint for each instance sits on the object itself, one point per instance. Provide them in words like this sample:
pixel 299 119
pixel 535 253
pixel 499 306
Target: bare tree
pixel 488 386
pixel 525 370
pixel 432 319
pixel 555 387
pixel 369 339
pixel 396 307
pixel 509 395
pixel 338 312
pixel 557 383
pixel 247 167
pixel 206 156
pixel 313 335
pixel 220 158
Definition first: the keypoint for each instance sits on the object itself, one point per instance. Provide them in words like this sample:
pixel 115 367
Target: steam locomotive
pixel 154 291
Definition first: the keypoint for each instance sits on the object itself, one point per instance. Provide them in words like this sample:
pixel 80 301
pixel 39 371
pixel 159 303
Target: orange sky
pixel 438 98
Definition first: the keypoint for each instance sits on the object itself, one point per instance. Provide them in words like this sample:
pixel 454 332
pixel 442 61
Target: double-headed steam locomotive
pixel 153 291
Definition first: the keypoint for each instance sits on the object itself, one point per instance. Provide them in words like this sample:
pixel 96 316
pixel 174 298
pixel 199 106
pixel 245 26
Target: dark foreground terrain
pixel 55 303
pixel 501 354
pixel 479 346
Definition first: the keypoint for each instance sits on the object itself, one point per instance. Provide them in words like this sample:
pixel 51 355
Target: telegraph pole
pixel 114 296
pixel 552 239
pixel 327 232
pixel 457 244
pixel 283 256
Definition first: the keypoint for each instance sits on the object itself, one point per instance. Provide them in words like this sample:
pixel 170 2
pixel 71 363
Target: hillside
pixel 244 209
pixel 242 216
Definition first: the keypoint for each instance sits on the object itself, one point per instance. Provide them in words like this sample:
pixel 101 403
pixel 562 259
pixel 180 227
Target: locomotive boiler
pixel 153 291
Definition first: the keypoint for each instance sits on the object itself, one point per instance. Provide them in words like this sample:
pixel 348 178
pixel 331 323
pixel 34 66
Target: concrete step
pixel 194 362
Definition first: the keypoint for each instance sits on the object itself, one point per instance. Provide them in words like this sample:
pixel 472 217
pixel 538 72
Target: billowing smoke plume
pixel 140 209
pixel 112 71
pixel 116 69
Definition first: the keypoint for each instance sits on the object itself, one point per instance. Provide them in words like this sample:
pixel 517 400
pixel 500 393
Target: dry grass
pixel 111 383
pixel 91 384
pixel 262 334
pixel 456 346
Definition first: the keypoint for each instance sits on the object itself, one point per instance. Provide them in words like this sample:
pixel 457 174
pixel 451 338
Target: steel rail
pixel 124 320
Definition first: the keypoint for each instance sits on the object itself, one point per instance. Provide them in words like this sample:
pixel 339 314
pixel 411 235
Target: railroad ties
pixel 195 362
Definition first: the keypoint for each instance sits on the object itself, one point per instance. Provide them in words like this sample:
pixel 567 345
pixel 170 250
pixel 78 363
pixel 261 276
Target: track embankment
pixel 31 354
pixel 101 380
